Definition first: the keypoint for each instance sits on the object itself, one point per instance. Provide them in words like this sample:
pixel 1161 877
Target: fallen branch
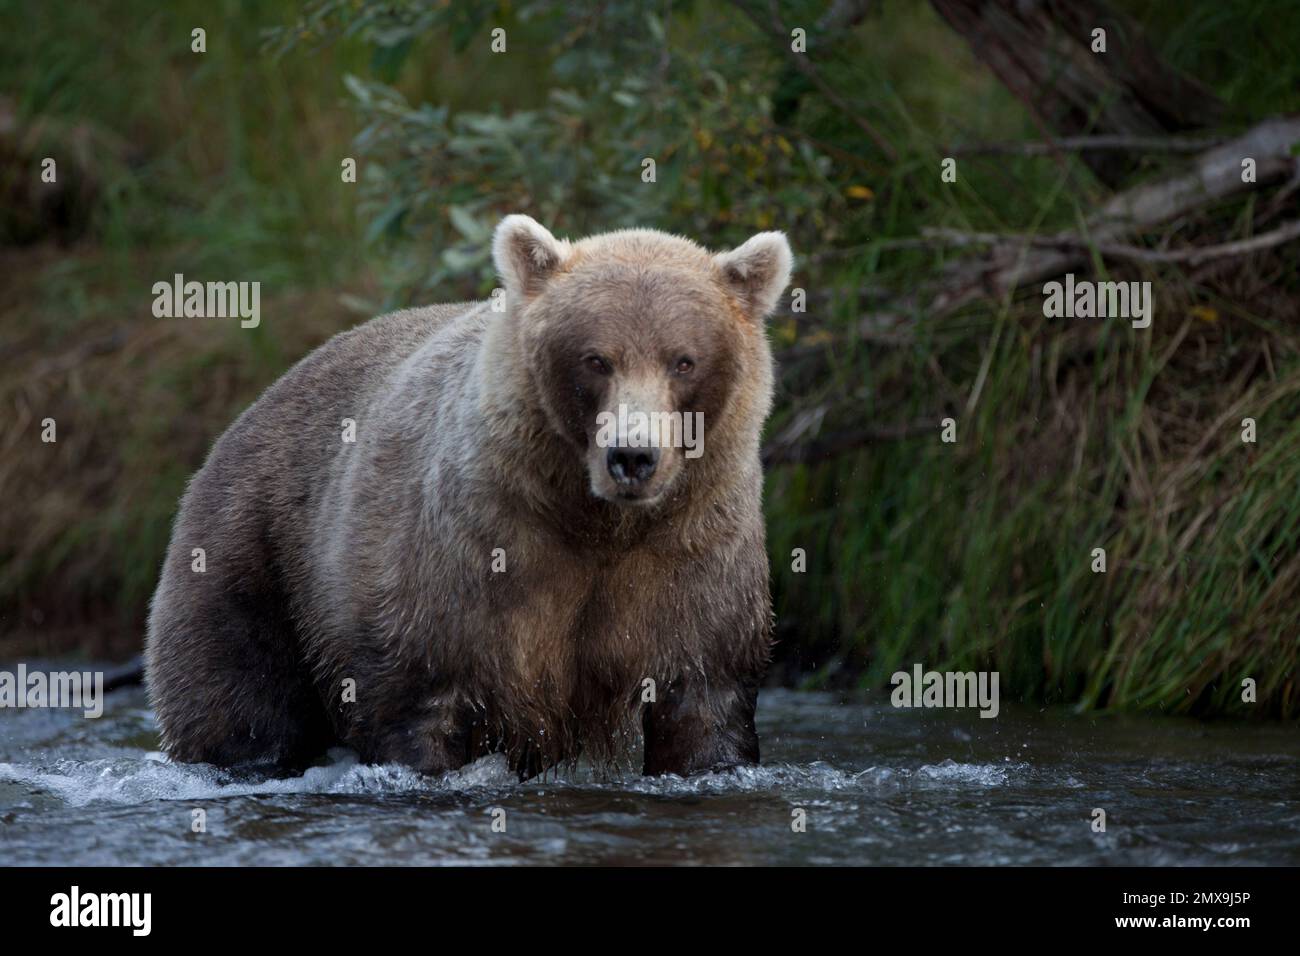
pixel 1215 175
pixel 821 447
pixel 1017 261
pixel 1042 53
pixel 129 674
pixel 1116 142
pixel 1110 250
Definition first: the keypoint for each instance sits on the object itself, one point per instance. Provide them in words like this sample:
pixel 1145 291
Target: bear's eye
pixel 684 365
pixel 597 364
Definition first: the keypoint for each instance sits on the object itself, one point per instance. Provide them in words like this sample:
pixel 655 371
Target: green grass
pixel 977 555
pixel 969 555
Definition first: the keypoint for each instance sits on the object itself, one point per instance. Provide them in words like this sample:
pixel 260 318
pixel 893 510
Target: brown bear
pixel 424 543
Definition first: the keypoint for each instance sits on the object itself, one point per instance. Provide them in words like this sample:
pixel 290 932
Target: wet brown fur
pixel 373 561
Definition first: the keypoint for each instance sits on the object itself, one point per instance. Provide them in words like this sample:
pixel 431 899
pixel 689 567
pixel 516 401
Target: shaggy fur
pixel 373 561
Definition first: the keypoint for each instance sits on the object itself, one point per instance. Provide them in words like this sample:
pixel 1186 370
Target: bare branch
pixel 835 443
pixel 1215 175
pixel 1042 54
pixel 1119 142
pixel 1195 256
pixel 1015 261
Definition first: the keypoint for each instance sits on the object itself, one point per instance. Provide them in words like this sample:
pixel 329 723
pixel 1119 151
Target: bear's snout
pixel 631 468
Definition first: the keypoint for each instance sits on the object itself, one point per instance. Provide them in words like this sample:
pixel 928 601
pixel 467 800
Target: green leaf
pixel 466 224
pixel 389 222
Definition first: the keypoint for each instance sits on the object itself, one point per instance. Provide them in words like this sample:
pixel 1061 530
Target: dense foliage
pixel 974 554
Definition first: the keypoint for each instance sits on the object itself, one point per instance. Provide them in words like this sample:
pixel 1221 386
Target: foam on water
pixel 878 785
pixel 819 775
pixel 132 780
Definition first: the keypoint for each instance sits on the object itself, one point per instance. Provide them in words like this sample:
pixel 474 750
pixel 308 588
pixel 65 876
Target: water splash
pixel 132 780
pixel 877 786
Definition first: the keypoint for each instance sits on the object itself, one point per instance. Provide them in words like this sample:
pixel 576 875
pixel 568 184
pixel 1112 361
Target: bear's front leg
pixel 698 726
pixel 432 740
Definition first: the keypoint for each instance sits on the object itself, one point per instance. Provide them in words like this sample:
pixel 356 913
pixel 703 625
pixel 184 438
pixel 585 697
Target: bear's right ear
pixel 758 272
pixel 526 255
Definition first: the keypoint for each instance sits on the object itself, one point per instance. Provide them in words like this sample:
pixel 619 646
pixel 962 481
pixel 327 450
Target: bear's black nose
pixel 630 466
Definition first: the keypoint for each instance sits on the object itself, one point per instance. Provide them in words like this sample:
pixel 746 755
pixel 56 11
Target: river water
pixel 875 785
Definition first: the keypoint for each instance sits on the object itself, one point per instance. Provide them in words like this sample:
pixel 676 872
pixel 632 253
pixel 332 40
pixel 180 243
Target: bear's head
pixel 648 354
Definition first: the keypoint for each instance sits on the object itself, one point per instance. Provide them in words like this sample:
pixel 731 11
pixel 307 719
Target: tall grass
pixel 1071 436
pixel 218 165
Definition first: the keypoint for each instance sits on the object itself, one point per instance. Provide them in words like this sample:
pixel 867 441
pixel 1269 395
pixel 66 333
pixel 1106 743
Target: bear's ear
pixel 526 255
pixel 758 272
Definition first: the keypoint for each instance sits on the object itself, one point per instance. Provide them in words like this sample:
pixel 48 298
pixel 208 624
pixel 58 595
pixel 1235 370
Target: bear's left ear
pixel 526 255
pixel 758 272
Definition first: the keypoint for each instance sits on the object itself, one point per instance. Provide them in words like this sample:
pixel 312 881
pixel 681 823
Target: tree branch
pixel 1138 144
pixel 1042 52
pixel 822 447
pixel 1194 256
